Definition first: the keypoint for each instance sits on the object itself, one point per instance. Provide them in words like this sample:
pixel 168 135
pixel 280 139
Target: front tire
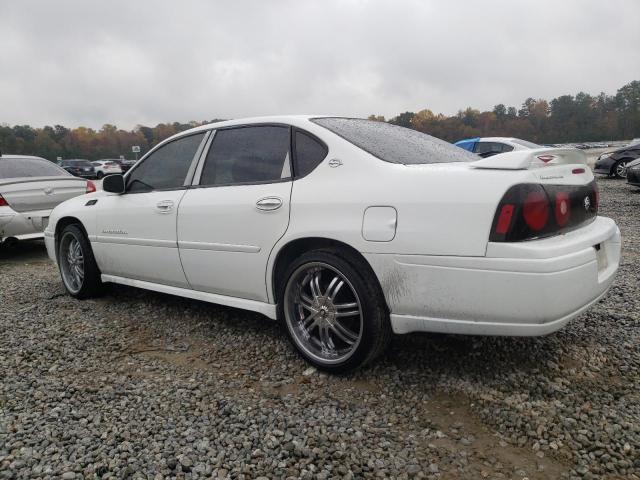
pixel 619 169
pixel 334 312
pixel 78 268
pixel 99 175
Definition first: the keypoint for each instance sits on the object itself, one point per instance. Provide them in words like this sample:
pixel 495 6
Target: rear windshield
pixel 395 144
pixel 29 167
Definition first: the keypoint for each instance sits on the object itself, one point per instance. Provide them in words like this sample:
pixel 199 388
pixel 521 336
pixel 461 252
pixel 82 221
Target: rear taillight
pixel 528 211
pixel 3 202
pixel 535 210
pixel 91 187
pixel 562 209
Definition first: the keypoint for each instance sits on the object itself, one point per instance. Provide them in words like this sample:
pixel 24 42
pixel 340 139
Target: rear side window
pixel 394 144
pixel 29 167
pixel 309 153
pixel 247 155
pixel 167 167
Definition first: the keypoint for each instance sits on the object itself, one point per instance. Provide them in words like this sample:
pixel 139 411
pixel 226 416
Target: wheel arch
pixel 296 247
pixel 64 222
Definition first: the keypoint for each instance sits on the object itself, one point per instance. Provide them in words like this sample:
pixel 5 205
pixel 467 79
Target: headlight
pixel 605 155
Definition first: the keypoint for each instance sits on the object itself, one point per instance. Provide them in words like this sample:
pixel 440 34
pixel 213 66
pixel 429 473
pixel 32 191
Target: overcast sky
pixel 144 62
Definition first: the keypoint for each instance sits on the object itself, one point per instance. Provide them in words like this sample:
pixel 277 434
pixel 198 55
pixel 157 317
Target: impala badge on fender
pixel 334 162
pixel 587 203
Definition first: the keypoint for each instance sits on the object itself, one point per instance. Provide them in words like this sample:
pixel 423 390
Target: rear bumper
pixel 22 225
pixel 519 289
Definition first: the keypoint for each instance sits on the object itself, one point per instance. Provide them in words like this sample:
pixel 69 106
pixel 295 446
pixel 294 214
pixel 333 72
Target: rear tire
pixel 78 268
pixel 99 175
pixel 333 310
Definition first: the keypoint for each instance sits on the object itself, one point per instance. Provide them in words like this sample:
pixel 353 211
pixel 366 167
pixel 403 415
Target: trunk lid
pixel 532 159
pixel 40 193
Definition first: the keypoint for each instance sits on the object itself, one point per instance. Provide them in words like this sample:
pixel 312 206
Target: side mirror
pixel 113 183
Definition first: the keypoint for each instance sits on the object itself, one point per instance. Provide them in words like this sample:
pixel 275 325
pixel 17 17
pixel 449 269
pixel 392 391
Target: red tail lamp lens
pixel 536 210
pixel 504 220
pixel 546 158
pixel 563 209
pixel 3 202
pixel 91 187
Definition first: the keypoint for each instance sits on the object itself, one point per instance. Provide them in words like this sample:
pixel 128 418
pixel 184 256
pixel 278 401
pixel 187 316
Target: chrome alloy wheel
pixel 621 169
pixel 71 262
pixel 323 313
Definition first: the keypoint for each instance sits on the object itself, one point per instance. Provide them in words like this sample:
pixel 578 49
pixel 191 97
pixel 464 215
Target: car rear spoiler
pixel 536 158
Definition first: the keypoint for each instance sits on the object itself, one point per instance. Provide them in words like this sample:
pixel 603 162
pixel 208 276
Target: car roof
pixel 497 139
pixel 22 156
pixel 288 119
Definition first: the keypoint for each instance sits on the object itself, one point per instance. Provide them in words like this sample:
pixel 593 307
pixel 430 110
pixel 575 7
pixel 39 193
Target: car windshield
pixel 29 167
pixel 524 143
pixel 394 144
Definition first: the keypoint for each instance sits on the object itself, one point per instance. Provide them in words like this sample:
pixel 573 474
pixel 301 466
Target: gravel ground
pixel 142 385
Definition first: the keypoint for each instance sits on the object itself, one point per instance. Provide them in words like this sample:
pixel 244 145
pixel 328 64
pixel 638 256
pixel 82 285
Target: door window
pixel 167 167
pixel 309 153
pixel 247 155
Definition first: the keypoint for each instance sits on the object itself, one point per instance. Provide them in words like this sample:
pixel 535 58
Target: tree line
pixel 565 119
pixel 568 118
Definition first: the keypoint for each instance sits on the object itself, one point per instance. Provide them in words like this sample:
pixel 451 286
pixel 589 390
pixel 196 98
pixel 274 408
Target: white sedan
pixel 29 189
pixel 347 230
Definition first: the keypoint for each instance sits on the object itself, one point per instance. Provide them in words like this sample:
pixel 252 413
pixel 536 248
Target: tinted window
pixel 247 155
pixel 76 163
pixel 492 147
pixel 29 167
pixel 309 153
pixel 395 144
pixel 166 167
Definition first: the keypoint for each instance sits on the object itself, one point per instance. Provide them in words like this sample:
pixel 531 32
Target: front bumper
pixel 604 166
pixel 518 289
pixel 633 176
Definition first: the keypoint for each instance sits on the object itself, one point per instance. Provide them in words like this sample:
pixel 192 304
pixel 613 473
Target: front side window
pixel 394 144
pixel 167 167
pixel 29 167
pixel 247 155
pixel 309 153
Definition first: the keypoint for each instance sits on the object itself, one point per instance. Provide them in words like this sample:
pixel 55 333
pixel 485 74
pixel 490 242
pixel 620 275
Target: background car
pixel 633 172
pixel 614 164
pixel 79 168
pixel 489 146
pixel 125 164
pixel 106 167
pixel 347 230
pixel 29 188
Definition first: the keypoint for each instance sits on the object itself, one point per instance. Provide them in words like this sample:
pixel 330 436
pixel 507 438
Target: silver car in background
pixel 30 187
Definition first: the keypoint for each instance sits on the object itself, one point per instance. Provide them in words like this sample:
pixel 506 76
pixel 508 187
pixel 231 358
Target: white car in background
pixel 29 188
pixel 106 167
pixel 347 230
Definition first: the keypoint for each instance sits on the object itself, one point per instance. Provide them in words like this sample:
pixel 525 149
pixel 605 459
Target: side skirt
pixel 266 309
